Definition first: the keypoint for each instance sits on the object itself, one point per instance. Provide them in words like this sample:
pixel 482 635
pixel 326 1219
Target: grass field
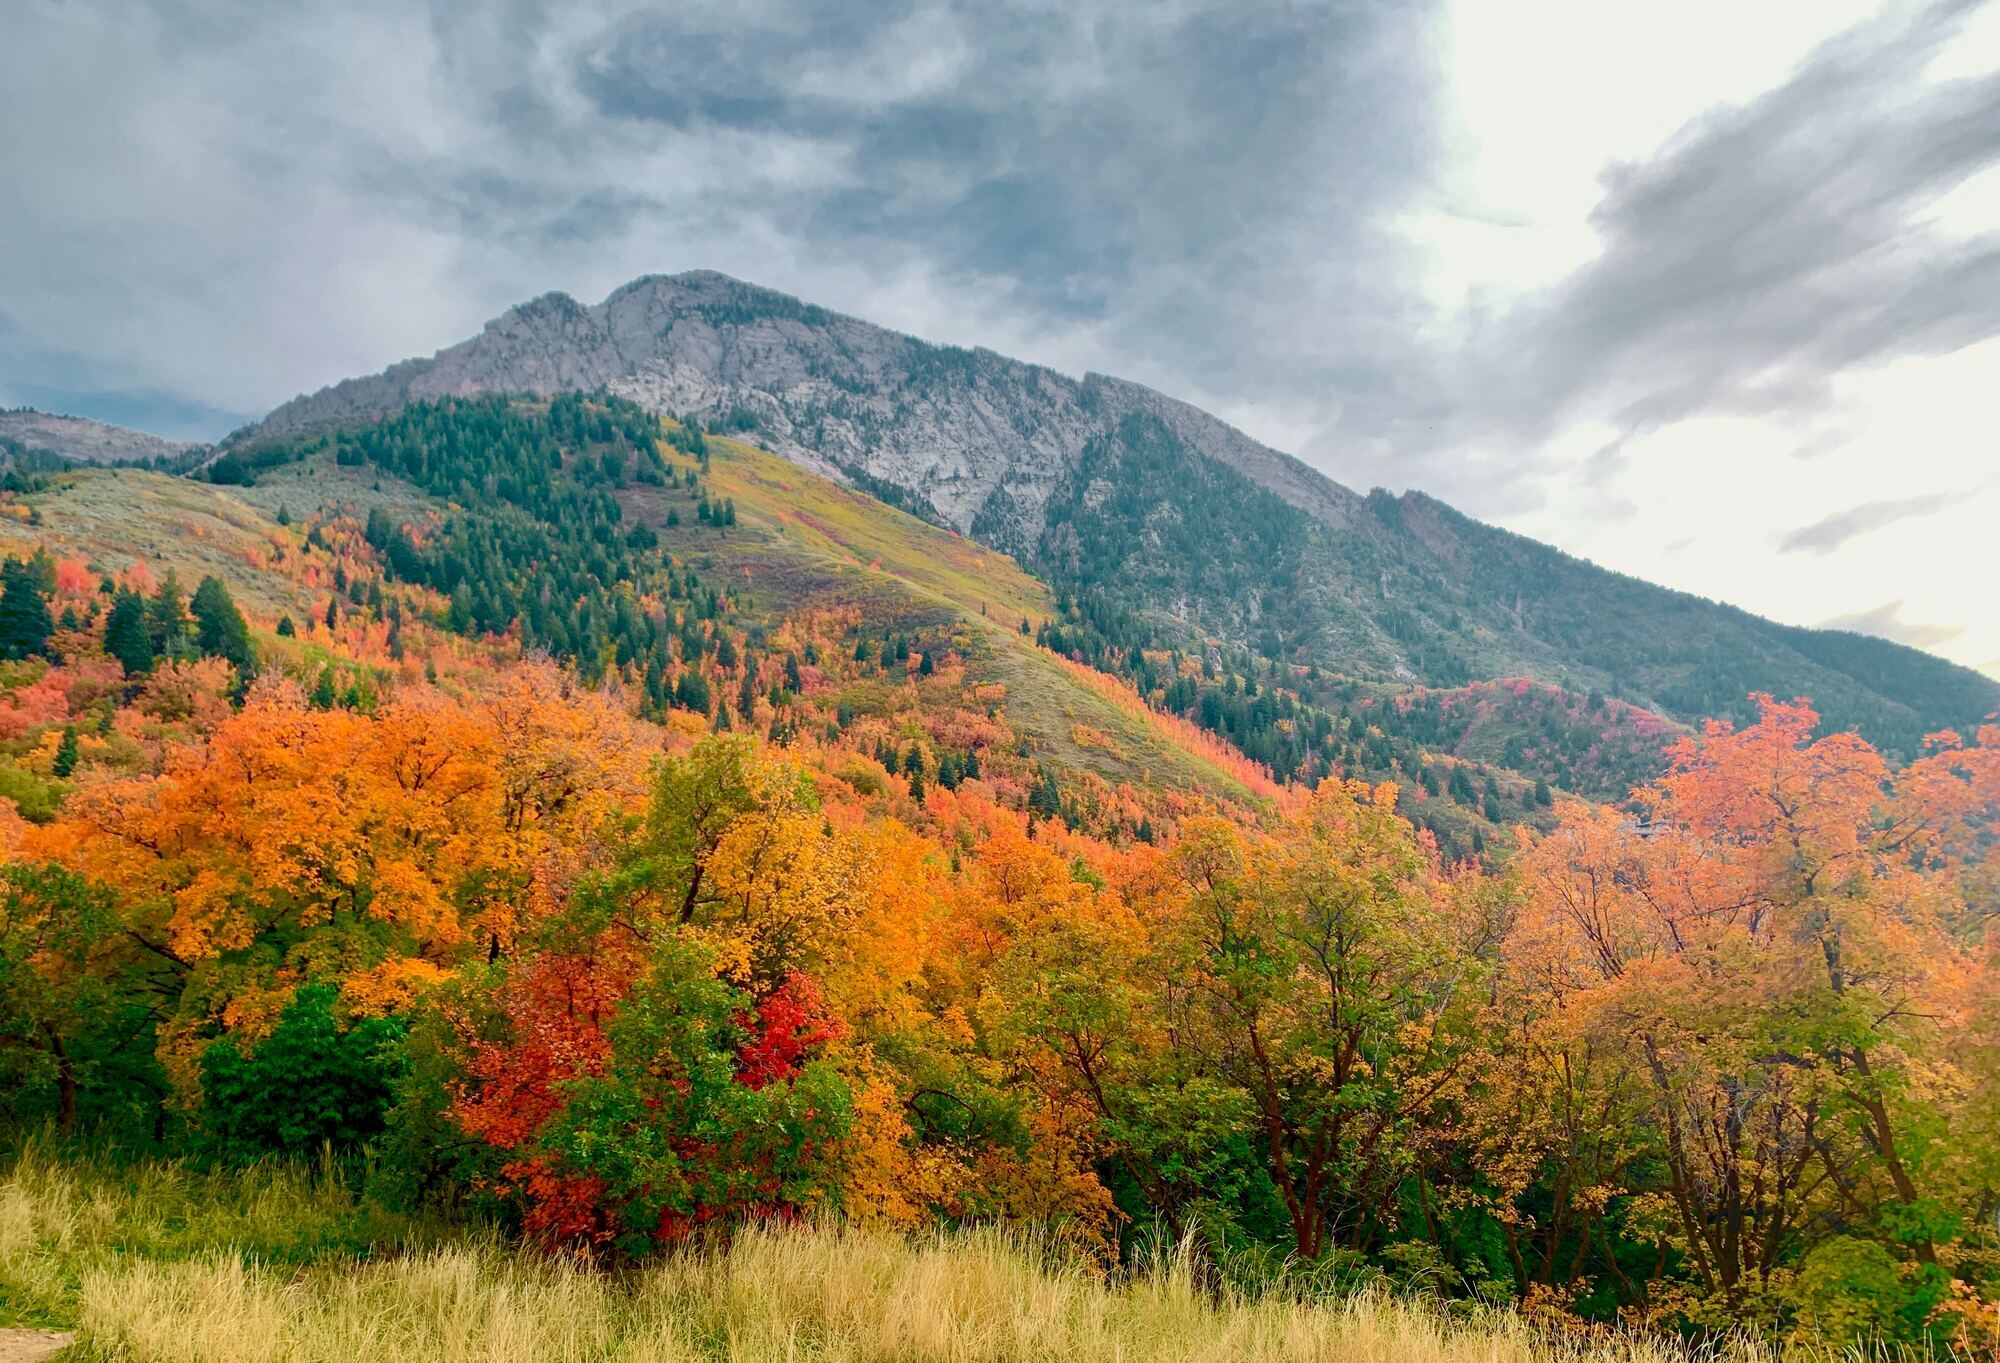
pixel 156 1263
pixel 113 518
pixel 804 533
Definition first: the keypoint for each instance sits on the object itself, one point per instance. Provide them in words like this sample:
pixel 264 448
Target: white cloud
pixel 1544 98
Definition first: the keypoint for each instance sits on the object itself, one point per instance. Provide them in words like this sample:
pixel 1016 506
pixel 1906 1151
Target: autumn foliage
pixel 1728 1053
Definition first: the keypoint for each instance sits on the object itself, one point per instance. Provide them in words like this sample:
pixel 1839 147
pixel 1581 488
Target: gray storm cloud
pixel 221 204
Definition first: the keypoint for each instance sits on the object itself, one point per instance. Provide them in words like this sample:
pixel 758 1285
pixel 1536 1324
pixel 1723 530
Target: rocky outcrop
pixel 834 393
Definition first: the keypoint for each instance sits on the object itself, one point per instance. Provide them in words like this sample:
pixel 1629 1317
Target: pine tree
pixel 220 630
pixel 125 636
pixel 25 623
pixel 166 617
pixel 323 694
pixel 286 629
pixel 1047 799
pixel 65 762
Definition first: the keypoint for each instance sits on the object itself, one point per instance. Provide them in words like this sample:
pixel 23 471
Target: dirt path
pixel 32 1346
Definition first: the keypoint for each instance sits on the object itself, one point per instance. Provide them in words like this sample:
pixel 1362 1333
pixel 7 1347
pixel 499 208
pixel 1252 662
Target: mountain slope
pixel 90 442
pixel 588 560
pixel 1103 486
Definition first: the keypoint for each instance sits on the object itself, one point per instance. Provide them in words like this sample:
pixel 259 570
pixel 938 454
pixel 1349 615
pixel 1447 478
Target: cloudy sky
pixel 1708 292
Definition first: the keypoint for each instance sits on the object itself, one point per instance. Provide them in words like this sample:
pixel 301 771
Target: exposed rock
pixel 834 393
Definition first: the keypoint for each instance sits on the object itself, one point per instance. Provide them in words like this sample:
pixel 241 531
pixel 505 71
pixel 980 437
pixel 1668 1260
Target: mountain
pixel 1199 535
pixel 90 442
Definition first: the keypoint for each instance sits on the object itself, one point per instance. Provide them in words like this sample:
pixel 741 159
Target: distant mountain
pixel 91 442
pixel 1118 494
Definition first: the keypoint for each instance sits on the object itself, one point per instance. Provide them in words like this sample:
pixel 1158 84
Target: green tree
pixel 73 1016
pixel 710 1105
pixel 220 629
pixel 25 622
pixel 65 762
pixel 125 635
pixel 314 1081
pixel 166 617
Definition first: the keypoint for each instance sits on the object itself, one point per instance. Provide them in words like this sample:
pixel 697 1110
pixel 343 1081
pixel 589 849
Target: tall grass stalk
pixel 157 1263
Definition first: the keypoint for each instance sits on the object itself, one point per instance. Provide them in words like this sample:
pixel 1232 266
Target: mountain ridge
pixel 1103 485
pixel 89 441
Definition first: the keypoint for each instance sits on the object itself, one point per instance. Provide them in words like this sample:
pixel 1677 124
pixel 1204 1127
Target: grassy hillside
pixel 114 518
pixel 800 545
pixel 160 1264
pixel 805 542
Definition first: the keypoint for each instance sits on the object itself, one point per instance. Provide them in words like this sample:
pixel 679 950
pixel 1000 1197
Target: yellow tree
pixel 1335 978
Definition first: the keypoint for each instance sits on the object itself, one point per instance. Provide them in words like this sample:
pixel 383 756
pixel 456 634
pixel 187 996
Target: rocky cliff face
pixel 89 442
pixel 836 394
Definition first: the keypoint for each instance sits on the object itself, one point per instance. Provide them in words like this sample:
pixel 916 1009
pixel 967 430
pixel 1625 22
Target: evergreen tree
pixel 1047 799
pixel 323 694
pixel 65 762
pixel 286 629
pixel 220 629
pixel 691 692
pixel 25 623
pixel 167 617
pixel 125 634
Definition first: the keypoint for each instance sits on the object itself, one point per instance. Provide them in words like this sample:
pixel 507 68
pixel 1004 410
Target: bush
pixel 311 1083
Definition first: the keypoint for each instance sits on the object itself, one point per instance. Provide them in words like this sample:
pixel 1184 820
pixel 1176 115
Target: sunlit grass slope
pixel 156 1264
pixel 113 518
pixel 807 540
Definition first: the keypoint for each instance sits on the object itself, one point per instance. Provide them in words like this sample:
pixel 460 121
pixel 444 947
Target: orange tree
pixel 1771 971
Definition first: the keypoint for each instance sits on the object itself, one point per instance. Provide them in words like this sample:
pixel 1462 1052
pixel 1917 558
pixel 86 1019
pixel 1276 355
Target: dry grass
pixel 116 517
pixel 158 1265
pixel 863 535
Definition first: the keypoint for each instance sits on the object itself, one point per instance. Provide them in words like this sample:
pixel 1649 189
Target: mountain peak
pixel 1105 484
